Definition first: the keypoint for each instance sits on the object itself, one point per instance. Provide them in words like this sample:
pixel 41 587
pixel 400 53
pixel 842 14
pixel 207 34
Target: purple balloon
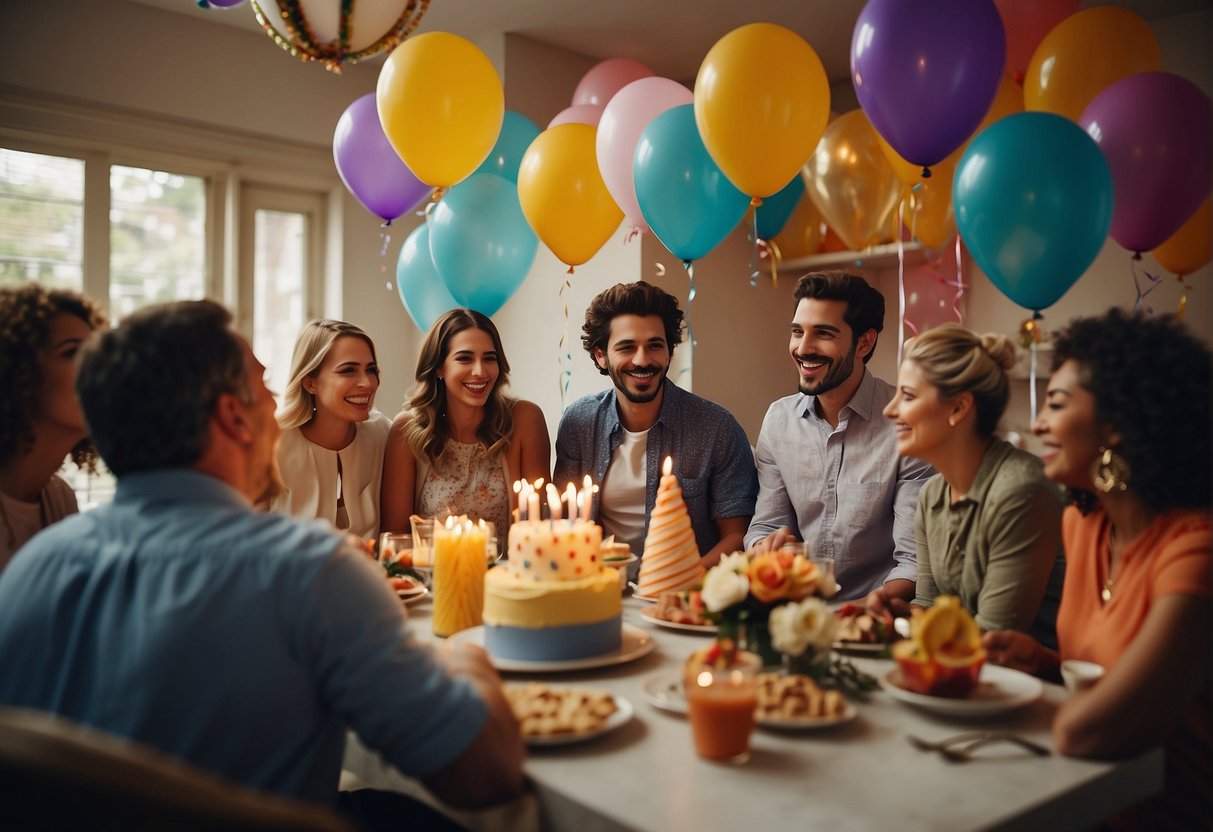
pixel 369 166
pixel 223 4
pixel 1154 130
pixel 926 71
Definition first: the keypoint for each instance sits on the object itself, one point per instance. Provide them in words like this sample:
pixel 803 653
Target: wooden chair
pixel 57 774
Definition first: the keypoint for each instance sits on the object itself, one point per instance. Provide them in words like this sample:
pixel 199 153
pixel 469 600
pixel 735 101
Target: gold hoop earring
pixel 1110 472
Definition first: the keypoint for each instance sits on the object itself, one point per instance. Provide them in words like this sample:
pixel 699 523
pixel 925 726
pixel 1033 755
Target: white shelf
pixel 876 257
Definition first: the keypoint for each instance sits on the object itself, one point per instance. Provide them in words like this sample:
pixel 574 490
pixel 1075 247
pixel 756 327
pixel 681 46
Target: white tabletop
pixel 861 775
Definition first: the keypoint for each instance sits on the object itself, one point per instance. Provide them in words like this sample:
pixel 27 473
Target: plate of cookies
pixel 793 702
pixel 561 716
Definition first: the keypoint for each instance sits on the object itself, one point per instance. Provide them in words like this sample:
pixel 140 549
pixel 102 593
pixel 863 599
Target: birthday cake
pixel 552 600
pixel 671 556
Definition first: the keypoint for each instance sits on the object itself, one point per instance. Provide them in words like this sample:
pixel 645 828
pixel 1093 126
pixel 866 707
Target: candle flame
pixel 668 466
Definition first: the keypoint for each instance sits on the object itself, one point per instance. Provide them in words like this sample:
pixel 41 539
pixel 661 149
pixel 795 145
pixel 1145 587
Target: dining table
pixel 859 774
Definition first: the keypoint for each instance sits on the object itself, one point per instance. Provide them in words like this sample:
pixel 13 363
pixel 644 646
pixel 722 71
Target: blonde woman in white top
pixel 331 452
pixel 460 442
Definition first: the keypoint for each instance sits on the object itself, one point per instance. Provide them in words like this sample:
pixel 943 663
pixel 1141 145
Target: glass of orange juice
pixel 720 703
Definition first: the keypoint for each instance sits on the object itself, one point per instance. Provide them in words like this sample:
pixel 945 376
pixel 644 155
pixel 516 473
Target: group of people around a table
pixel 222 608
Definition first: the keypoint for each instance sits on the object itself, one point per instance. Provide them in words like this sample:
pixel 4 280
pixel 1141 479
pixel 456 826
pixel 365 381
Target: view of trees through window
pixel 41 219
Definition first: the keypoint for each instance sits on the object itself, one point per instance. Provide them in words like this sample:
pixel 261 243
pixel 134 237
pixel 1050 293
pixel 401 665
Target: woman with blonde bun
pixel 988 525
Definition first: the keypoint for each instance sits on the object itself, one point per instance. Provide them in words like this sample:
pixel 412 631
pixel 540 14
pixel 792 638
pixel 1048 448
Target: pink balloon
pixel 932 296
pixel 624 119
pixel 1026 23
pixel 1154 130
pixel 600 84
pixel 578 114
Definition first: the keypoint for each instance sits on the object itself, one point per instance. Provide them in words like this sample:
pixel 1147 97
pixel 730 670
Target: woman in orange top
pixel 1126 427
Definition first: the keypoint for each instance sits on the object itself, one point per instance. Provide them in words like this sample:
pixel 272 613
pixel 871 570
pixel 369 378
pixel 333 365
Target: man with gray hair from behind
pixel 245 643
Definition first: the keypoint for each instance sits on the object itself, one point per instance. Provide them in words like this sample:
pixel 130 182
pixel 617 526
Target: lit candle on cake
pixel 459 567
pixel 553 502
pixel 586 498
pixel 532 500
pixel 520 513
pixel 570 500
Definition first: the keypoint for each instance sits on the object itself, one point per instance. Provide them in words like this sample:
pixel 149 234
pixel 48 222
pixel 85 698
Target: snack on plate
pixel 795 697
pixel 403 583
pixel 943 656
pixel 614 551
pixel 857 625
pixel 542 711
pixel 682 607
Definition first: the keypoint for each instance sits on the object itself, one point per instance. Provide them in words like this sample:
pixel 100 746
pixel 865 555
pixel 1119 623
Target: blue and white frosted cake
pixel 553 600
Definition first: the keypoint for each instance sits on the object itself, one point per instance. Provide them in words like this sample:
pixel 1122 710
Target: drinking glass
pixel 720 703
pixel 423 541
pixel 395 546
pixel 826 576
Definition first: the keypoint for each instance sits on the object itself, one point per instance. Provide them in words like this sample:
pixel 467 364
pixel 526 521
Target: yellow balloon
pixel 851 182
pixel 801 234
pixel 928 206
pixel 1083 55
pixel 762 100
pixel 562 193
pixel 441 105
pixel 1187 249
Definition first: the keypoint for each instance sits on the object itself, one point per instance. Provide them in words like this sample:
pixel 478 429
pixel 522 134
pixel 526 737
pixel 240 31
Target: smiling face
pixel 58 407
pixel 345 383
pixel 470 369
pixel 823 346
pixel 919 417
pixel 1069 430
pixel 637 356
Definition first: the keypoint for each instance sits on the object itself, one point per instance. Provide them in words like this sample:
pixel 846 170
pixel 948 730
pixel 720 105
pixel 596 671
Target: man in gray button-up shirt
pixel 828 469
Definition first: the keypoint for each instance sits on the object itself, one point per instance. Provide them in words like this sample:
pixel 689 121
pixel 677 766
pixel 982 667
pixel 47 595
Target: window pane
pixel 157 238
pixel 279 278
pixel 41 219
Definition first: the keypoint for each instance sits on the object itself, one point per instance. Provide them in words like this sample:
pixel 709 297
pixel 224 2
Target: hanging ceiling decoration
pixel 336 32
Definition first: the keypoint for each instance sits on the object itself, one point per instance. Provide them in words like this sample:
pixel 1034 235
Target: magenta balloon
pixel 1154 130
pixel 926 72
pixel 578 114
pixel 624 119
pixel 369 166
pixel 604 79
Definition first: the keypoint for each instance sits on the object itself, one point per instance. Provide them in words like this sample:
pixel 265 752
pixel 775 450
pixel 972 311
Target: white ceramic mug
pixel 1080 675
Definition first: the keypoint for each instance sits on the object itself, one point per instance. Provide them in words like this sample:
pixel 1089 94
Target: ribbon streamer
pixel 901 286
pixel 1183 296
pixel 1139 303
pixel 690 267
pixel 564 358
pixel 385 239
pixel 959 284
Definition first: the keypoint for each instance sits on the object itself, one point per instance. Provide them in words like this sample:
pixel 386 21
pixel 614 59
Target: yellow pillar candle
pixel 459 567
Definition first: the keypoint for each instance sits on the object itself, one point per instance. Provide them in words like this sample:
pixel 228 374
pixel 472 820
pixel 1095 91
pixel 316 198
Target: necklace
pixel 1106 593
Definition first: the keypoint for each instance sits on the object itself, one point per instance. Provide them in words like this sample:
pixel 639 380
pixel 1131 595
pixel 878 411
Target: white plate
pixel 651 599
pixel 702 629
pixel 999 690
pixel 861 647
pixel 615 720
pixel 413 596
pixel 636 643
pixel 665 694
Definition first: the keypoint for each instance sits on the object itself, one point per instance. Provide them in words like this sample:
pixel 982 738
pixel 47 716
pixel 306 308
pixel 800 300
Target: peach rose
pixel 804 578
pixel 769 580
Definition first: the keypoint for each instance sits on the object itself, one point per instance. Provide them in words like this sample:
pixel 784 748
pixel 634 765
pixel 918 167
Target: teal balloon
pixel 683 195
pixel 424 295
pixel 481 243
pixel 775 210
pixel 1033 200
pixel 517 133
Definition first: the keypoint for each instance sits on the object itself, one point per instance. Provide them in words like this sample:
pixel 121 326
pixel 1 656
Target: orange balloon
pixel 831 242
pixel 1086 53
pixel 851 182
pixel 1189 248
pixel 802 233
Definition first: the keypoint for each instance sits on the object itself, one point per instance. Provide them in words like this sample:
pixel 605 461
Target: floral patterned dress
pixel 465 481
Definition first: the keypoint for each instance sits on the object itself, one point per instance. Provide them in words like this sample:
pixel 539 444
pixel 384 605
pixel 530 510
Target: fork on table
pixel 970 741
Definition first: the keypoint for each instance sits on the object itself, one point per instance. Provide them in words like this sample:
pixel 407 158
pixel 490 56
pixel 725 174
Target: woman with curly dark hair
pixel 1126 427
pixel 40 421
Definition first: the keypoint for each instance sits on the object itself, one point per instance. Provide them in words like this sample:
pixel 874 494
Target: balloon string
pixel 752 237
pixel 1036 316
pixel 632 235
pixel 901 287
pixel 1139 303
pixel 564 358
pixel 959 284
pixel 385 239
pixel 1183 297
pixel 687 370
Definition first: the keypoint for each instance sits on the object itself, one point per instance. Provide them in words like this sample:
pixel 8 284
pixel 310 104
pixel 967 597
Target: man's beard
pixel 619 377
pixel 835 375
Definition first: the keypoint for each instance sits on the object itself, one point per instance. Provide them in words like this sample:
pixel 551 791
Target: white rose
pixel 737 562
pixel 722 588
pixel 798 625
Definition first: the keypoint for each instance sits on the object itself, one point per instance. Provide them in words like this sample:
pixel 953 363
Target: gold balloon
pixel 851 182
pixel 1084 55
pixel 801 234
pixel 1187 249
